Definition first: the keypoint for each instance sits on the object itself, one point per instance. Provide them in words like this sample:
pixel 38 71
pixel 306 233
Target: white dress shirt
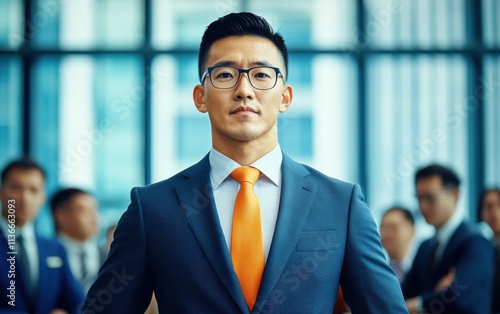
pixel 92 259
pixel 267 188
pixel 30 245
pixel 444 234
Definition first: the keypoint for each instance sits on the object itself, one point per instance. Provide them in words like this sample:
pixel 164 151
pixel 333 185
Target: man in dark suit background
pixel 452 271
pixel 36 277
pixel 315 232
pixel 77 225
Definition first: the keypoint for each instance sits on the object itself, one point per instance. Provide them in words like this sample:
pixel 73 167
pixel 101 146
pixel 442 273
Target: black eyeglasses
pixel 226 77
pixel 432 197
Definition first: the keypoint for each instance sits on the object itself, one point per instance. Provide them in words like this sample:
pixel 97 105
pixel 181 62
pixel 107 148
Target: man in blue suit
pixel 176 237
pixel 34 272
pixel 452 271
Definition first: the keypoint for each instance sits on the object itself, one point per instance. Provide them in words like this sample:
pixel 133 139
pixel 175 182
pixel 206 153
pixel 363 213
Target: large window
pixel 99 91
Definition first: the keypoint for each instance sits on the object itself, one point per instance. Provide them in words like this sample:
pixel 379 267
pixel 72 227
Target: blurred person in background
pixel 397 232
pixel 37 277
pixel 452 271
pixel 77 225
pixel 489 212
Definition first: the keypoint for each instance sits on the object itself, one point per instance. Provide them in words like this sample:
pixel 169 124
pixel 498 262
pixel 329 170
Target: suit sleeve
pixel 368 283
pixel 124 283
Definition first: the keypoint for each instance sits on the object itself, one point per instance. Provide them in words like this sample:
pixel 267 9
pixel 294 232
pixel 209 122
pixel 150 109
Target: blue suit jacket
pixel 471 255
pixel 170 241
pixel 56 286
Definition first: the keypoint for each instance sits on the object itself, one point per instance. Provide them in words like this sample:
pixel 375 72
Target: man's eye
pixel 224 76
pixel 261 75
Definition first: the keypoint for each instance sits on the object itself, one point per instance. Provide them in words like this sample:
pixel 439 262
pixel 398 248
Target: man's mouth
pixel 243 109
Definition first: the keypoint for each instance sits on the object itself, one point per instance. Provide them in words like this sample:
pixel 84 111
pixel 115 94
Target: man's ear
pixel 199 98
pixel 286 98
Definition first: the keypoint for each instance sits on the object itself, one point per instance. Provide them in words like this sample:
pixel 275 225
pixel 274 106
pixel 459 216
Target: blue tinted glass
pixel 119 103
pixel 193 137
pixel 299 69
pixel 44 25
pixel 45 113
pixel 295 135
pixel 45 129
pixel 11 31
pixel 10 99
pixel 188 69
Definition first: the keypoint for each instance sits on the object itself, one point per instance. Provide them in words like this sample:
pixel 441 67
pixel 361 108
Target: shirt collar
pixel 27 231
pixel 71 243
pixel 269 165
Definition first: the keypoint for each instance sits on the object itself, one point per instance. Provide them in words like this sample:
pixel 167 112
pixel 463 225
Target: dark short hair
pixel 239 24
pixel 481 200
pixel 448 177
pixel 62 196
pixel 25 163
pixel 406 213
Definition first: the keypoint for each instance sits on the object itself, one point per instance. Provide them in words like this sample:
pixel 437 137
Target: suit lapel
pixel 197 202
pixel 297 194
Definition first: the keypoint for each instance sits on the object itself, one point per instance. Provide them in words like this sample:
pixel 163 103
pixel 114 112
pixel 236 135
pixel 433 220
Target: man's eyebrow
pixel 233 63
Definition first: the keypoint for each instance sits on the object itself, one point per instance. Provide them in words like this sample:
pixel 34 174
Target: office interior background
pixel 99 92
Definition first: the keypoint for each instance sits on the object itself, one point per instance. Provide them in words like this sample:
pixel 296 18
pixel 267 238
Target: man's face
pixel 26 188
pixel 79 219
pixel 491 210
pixel 243 113
pixel 396 233
pixel 437 203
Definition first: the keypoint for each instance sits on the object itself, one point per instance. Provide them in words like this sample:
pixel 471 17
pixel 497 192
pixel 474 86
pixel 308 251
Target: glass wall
pixel 100 91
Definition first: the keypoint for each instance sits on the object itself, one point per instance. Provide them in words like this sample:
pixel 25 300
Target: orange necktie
pixel 247 247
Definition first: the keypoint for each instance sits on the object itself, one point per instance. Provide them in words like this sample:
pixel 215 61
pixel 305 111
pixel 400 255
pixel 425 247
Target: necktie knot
pixel 246 174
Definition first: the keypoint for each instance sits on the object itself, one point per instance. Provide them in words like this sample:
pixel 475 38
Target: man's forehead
pixel 253 49
pixel 25 174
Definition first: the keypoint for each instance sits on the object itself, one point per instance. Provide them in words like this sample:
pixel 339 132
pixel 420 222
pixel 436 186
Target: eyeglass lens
pixel 228 77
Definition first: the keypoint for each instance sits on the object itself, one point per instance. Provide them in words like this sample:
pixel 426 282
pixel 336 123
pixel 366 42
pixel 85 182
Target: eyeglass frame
pixel 209 70
pixel 433 197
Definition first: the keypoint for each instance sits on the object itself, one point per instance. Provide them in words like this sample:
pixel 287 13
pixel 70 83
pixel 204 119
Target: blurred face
pixel 437 203
pixel 396 233
pixel 242 113
pixel 26 188
pixel 491 210
pixel 78 218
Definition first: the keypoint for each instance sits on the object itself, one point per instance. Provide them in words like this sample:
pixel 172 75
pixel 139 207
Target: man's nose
pixel 244 88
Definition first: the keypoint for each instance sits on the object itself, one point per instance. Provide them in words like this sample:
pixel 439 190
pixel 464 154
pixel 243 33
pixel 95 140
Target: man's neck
pixel 243 153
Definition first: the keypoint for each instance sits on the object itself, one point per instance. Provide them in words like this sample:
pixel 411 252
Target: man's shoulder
pixel 201 167
pixel 470 230
pixel 314 174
